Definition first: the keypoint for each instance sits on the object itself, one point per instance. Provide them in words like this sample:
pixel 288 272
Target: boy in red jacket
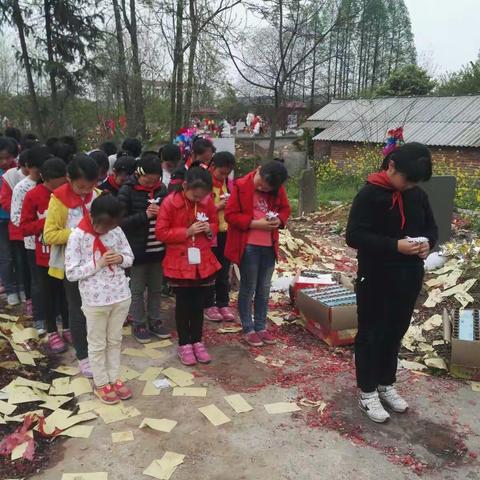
pixel 32 221
pixel 257 208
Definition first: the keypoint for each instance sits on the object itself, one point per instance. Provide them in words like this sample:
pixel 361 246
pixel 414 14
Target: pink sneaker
pixel 67 336
pixel 213 314
pixel 253 339
pixel 228 314
pixel 201 353
pixel 85 368
pixel 56 343
pixel 266 337
pixel 186 355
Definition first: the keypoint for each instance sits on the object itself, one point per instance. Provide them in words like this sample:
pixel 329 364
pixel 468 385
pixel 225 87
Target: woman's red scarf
pixel 382 179
pixel 111 181
pixel 71 199
pixel 86 225
pixel 150 190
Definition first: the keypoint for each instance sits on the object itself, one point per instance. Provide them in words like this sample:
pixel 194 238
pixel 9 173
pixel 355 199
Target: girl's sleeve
pixel 124 249
pixel 233 212
pixel 163 229
pixel 54 232
pixel 212 216
pixel 16 209
pixel 77 266
pixel 360 228
pixel 30 224
pixel 284 210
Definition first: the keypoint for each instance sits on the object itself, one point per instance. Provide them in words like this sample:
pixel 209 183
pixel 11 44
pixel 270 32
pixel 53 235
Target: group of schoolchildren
pixel 89 241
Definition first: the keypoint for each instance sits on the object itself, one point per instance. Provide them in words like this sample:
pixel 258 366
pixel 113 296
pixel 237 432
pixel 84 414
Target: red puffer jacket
pixel 176 215
pixel 239 215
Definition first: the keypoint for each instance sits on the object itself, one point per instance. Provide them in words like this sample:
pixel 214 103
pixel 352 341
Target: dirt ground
pixel 438 439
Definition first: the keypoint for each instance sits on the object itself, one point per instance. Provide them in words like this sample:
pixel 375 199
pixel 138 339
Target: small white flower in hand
pixel 225 196
pixel 152 201
pixel 271 215
pixel 417 239
pixel 201 217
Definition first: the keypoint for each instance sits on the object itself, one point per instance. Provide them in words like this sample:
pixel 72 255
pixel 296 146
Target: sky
pixel 447 33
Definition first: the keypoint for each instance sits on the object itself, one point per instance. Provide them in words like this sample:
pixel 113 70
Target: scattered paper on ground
pixel 72 371
pixel 25 357
pixel 189 392
pixel 320 405
pixel 85 476
pixel 232 329
pixel 135 352
pixel 115 413
pixel 150 390
pixel 181 378
pixel 162 383
pixel 160 424
pixel 475 386
pixel 89 405
pixel 121 437
pixel 433 322
pixel 25 382
pixel 6 408
pixel 150 374
pixel 281 407
pixel 78 431
pixel 238 403
pixel 436 362
pixel 164 468
pixel 61 386
pixel 21 336
pixel 80 386
pixel 127 373
pixel 159 344
pixel 22 395
pixel 214 415
pixel 155 354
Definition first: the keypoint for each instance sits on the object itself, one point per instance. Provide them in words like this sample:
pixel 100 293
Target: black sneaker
pixel 159 330
pixel 141 333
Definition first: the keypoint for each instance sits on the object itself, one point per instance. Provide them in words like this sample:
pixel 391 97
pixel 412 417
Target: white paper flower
pixel 201 217
pixel 417 239
pixel 225 196
pixel 271 215
pixel 151 201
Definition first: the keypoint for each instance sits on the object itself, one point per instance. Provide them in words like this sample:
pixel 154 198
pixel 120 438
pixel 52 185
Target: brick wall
pixel 340 151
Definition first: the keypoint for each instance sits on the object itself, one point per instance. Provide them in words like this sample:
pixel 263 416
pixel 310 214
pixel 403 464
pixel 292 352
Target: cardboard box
pixel 330 314
pixel 462 329
pixel 311 279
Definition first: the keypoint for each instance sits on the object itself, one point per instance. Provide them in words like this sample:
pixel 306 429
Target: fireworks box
pixel 330 313
pixel 311 279
pixel 462 330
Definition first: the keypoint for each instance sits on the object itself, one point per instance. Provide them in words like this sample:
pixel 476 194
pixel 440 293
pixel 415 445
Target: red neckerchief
pixel 71 199
pixel 218 183
pixel 86 225
pixel 191 208
pixel 149 190
pixel 111 181
pixel 383 180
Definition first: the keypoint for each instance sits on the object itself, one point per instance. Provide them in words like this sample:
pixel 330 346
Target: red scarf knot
pixel 98 246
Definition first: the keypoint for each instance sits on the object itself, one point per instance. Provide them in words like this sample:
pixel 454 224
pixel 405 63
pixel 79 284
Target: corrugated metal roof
pixel 440 121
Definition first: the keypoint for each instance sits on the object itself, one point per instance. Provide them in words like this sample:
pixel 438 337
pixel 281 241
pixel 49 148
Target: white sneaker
pixel 23 297
pixel 12 299
pixel 389 395
pixel 370 404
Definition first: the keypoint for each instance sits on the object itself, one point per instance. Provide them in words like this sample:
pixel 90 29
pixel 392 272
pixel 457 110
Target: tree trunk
pixel 138 104
pixel 122 69
pixel 274 124
pixel 173 94
pixel 177 54
pixel 191 62
pixel 180 66
pixel 56 112
pixel 18 19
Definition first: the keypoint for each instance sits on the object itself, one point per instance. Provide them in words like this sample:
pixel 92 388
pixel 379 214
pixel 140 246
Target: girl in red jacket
pixel 186 224
pixel 32 221
pixel 257 208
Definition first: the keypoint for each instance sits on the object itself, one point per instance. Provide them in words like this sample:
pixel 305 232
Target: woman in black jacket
pixel 392 226
pixel 141 196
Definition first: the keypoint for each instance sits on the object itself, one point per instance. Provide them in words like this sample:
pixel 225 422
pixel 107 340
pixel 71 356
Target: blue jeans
pixel 7 274
pixel 256 270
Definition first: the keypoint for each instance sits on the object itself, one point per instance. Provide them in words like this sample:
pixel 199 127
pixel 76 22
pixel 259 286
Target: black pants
pixel 189 305
pixel 218 295
pixel 385 302
pixel 38 306
pixel 20 264
pixel 76 318
pixel 54 300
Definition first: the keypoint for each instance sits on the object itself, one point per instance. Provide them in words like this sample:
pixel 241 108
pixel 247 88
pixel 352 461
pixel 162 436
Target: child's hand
pixel 197 228
pixel 424 250
pixel 275 222
pixel 114 258
pixel 103 261
pixel 264 224
pixel 152 210
pixel 408 248
pixel 221 206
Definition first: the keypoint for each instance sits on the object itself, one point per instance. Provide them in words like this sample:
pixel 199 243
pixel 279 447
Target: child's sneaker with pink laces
pixel 228 314
pixel 56 343
pixel 186 355
pixel 213 314
pixel 266 337
pixel 85 368
pixel 67 336
pixel 201 353
pixel 253 339
pixel 107 394
pixel 122 391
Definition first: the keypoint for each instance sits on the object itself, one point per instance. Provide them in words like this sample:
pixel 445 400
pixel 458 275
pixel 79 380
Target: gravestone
pixel 441 193
pixel 307 201
pixel 226 144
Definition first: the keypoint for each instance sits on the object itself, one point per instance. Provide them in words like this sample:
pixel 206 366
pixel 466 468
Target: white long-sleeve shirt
pixel 99 286
pixel 18 196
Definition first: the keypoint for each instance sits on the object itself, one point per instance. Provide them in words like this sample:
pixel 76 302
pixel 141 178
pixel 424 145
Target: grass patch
pixel 336 192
